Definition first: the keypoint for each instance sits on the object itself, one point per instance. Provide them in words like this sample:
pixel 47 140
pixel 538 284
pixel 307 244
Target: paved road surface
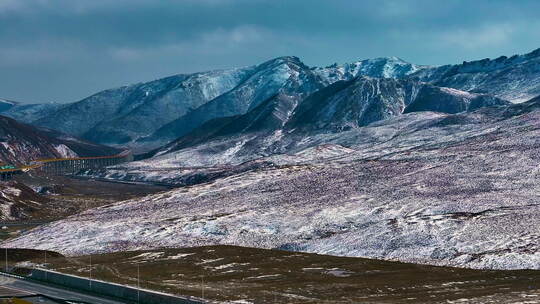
pixel 12 286
pixel 119 181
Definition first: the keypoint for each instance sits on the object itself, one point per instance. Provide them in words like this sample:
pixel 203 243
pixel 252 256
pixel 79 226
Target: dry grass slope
pixel 229 273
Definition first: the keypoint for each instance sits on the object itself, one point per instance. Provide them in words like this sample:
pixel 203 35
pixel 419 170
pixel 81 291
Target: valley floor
pixel 248 275
pixel 30 201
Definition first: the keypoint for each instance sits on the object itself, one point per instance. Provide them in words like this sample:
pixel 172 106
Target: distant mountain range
pixel 148 115
pixel 27 113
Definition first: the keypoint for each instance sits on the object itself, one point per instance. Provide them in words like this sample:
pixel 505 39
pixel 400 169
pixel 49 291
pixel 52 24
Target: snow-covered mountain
pixel 386 67
pixel 175 105
pixel 120 115
pixel 21 143
pixel 515 78
pixel 286 75
pixel 282 124
pixel 149 115
pixel 364 100
pixel 26 113
pixel 155 113
pixel 410 163
pixel 445 189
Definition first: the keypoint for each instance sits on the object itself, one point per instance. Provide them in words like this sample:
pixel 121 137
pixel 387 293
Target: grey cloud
pixel 64 50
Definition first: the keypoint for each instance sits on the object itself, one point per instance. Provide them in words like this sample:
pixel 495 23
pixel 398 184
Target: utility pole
pixel 6 260
pixel 202 285
pixel 45 265
pixel 90 281
pixel 138 284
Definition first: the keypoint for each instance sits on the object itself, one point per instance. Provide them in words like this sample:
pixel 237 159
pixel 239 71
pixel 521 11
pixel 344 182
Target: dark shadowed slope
pixel 21 143
pixel 28 113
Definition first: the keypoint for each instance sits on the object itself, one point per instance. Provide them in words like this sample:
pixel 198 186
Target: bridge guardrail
pixel 59 166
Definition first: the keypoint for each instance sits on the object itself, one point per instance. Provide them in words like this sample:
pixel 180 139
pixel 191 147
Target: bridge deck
pixel 40 163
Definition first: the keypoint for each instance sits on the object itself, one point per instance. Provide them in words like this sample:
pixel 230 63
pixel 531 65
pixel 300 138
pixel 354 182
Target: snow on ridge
pixel 383 67
pixel 515 78
pixel 8 101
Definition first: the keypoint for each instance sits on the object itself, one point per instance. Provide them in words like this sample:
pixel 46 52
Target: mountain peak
pixel 388 59
pixel 286 59
pixel 382 67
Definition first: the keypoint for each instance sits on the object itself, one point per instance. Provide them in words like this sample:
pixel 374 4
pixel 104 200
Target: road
pixel 18 287
pixel 119 181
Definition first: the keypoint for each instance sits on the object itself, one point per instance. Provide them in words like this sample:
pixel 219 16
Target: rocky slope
pixel 444 189
pixel 21 143
pixel 19 202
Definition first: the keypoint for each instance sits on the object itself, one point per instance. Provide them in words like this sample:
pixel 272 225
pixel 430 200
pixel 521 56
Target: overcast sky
pixel 65 50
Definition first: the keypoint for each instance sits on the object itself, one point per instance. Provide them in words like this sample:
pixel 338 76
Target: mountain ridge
pixel 339 107
pixel 151 114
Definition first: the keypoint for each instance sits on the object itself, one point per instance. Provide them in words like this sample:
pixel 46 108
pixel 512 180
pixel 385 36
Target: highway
pixel 10 286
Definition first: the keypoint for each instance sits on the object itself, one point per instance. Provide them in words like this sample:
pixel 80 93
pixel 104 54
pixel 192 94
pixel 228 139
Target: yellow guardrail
pixel 78 158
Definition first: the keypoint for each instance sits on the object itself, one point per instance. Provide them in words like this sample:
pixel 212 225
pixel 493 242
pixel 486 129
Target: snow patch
pixel 65 151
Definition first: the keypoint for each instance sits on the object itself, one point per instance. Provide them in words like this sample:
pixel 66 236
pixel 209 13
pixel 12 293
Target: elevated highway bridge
pixel 61 166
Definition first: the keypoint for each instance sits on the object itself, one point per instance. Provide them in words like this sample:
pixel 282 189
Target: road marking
pixel 6 280
pixel 12 291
